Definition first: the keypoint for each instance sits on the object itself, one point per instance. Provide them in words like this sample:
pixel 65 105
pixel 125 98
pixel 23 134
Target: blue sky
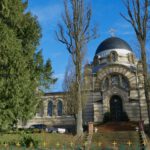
pixel 105 14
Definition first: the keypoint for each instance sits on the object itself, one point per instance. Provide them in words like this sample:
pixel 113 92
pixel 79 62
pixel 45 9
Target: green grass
pixel 69 142
pixel 47 140
pixel 106 139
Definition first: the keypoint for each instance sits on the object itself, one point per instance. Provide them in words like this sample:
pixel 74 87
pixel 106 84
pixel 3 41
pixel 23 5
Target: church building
pixel 116 91
pixel 118 84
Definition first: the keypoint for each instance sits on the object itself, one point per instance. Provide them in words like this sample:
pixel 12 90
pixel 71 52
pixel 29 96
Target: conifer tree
pixel 22 69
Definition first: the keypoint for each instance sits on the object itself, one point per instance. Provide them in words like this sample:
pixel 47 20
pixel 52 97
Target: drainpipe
pixel 93 74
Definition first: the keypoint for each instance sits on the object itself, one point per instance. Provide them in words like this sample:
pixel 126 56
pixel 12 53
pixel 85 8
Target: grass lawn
pixel 121 138
pixel 46 140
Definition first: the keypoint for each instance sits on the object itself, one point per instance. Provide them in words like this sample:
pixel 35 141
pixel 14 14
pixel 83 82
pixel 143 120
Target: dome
pixel 113 43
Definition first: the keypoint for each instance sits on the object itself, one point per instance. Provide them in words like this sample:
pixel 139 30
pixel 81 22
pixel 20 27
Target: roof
pixel 54 93
pixel 113 43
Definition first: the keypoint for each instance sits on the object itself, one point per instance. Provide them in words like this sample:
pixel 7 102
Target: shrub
pixel 106 117
pixel 147 129
pixel 125 117
pixel 27 140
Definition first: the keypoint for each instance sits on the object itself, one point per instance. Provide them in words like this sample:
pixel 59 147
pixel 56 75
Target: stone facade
pixel 114 85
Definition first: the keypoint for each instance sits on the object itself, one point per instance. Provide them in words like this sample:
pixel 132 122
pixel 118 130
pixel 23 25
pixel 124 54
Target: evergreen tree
pixel 22 69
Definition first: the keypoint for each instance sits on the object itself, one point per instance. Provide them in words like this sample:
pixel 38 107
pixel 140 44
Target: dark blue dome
pixel 113 43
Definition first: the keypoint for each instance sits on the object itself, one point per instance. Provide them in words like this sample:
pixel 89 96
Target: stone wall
pixel 49 121
pixel 42 116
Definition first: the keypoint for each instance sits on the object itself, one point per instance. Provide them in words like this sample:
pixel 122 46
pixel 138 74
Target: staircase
pixel 117 126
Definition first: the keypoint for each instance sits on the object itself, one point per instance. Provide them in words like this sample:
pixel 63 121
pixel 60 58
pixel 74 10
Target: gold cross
pixel 85 143
pixel 114 143
pixel 57 144
pixel 71 144
pixel 31 144
pixel 44 144
pixel 99 144
pixel 112 32
pixel 18 144
pixel 129 143
pixel 6 144
pixel 144 142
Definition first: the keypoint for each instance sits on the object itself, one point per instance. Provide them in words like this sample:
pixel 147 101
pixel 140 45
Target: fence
pixel 71 146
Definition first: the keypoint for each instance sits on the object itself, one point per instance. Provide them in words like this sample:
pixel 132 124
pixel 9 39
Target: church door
pixel 116 110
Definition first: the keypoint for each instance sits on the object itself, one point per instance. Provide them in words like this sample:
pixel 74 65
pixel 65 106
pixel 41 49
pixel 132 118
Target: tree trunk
pixel 78 80
pixel 144 64
pixel 79 115
pixel 75 35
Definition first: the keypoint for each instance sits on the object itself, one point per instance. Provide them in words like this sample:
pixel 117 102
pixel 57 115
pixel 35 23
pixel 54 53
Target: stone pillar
pixel 90 127
pixel 45 105
pixel 54 107
pixel 98 112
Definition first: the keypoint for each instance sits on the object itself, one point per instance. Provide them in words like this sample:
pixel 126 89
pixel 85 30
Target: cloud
pixel 60 76
pixel 57 54
pixel 127 33
pixel 58 85
pixel 123 25
pixel 48 13
pixel 123 28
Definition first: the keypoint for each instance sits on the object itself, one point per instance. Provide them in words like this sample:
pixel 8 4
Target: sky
pixel 105 14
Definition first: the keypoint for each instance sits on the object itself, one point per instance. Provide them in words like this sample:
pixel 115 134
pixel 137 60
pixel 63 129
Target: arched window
pixel 115 80
pixel 113 56
pixel 59 108
pixel 131 58
pixel 125 83
pixel 50 108
pixel 40 110
pixel 105 85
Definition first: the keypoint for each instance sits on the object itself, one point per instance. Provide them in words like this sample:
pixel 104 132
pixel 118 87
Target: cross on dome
pixel 112 32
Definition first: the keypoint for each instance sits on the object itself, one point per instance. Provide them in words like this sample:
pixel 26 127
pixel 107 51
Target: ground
pixel 109 136
pixel 46 140
pixel 116 139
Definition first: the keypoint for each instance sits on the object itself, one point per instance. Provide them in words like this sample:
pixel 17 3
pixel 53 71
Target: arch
pixel 115 79
pixel 59 108
pixel 131 58
pixel 113 57
pixel 105 83
pixel 117 69
pixel 50 108
pixel 125 82
pixel 40 111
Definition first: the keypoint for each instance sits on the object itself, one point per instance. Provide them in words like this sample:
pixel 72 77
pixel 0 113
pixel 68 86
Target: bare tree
pixel 69 88
pixel 138 15
pixel 75 33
